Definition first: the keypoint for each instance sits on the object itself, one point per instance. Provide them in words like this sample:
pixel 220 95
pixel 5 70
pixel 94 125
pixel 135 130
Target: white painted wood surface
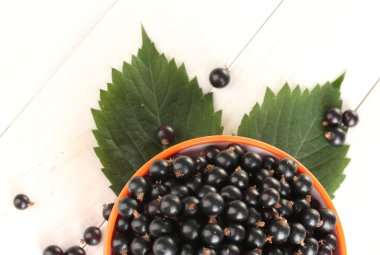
pixel 56 55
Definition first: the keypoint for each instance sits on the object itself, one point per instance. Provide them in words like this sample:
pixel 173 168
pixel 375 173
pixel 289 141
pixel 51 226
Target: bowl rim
pixel 222 139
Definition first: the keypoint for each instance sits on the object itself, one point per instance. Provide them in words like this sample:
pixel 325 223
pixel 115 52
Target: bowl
pixel 195 145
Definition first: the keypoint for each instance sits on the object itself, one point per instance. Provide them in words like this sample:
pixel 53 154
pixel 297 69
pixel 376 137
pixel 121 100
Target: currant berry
pixel 120 244
pixel 200 163
pixel 324 250
pixel 251 161
pixel 216 177
pixel 333 117
pixel 230 249
pixel 140 245
pixel 269 198
pixel 330 240
pixel 140 224
pixel 287 167
pixel 210 154
pixel 239 178
pixel 226 159
pixel 75 250
pixel 279 230
pixel 205 189
pixel 302 185
pixel 22 201
pixel 285 208
pixel 170 205
pixel 270 182
pixel 153 207
pixel 335 136
pixel 219 77
pixel 187 249
pixel 258 176
pixel 127 206
pixel 251 196
pixel 237 211
pixel 122 224
pixel 158 190
pixel 165 245
pixel 212 234
pixel 138 186
pixel 269 163
pixel 235 233
pixel 194 184
pixel 212 204
pixel 190 229
pixel 328 219
pixel 285 189
pixel 299 206
pixel 269 214
pixel 190 206
pixel 255 238
pixel 165 134
pixel 350 118
pixel 254 218
pixel 180 190
pixel 159 169
pixel 52 250
pixel 107 209
pixel 236 148
pixel 160 226
pixel 297 234
pixel 310 218
pixel 183 167
pixel 230 193
pixel 92 235
pixel 310 247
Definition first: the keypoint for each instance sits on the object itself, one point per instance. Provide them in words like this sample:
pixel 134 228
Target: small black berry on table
pixel 165 134
pixel 52 250
pixel 107 209
pixel 92 235
pixel 22 201
pixel 219 77
pixel 350 118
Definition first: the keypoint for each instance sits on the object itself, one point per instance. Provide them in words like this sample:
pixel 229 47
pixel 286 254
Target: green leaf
pixel 149 92
pixel 291 121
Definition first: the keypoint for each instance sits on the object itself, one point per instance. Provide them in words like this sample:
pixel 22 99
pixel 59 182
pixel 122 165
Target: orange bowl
pixel 223 139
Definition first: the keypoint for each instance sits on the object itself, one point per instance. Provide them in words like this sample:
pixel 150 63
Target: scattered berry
pixel 212 234
pixel 107 209
pixel 350 118
pixel 22 201
pixel 92 235
pixel 165 134
pixel 219 77
pixel 165 245
pixel 75 250
pixel 335 136
pixel 52 250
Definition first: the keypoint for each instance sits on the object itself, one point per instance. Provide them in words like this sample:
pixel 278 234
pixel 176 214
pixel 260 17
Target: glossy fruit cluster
pixel 224 201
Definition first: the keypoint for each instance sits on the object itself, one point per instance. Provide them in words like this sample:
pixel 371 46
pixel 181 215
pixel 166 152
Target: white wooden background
pixel 56 55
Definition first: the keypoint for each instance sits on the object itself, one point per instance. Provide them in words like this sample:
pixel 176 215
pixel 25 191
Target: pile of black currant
pixel 337 123
pixel 224 201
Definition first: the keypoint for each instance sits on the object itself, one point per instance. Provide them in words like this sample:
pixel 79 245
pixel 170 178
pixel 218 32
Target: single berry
pixel 140 224
pixel 269 163
pixel 279 230
pixel 297 234
pixel 210 154
pixel 258 176
pixel 216 177
pixel 285 189
pixel 75 250
pixel 186 249
pixel 159 169
pixel 333 117
pixel 127 206
pixel 158 190
pixel 140 245
pixel 212 234
pixel 237 211
pixel 270 182
pixel 251 196
pixel 239 178
pixel 230 249
pixel 22 201
pixel 52 250
pixel 92 235
pixel 302 185
pixel 170 205
pixel 205 189
pixel 165 245
pixel 251 161
pixel 153 207
pixel 285 208
pixel 287 167
pixel 212 204
pixel 138 186
pixel 122 224
pixel 120 244
pixel 324 250
pixel 165 134
pixel 190 206
pixel 227 159
pixel 255 238
pixel 183 167
pixel 219 77
pixel 328 219
pixel 237 149
pixel 160 226
pixel 194 184
pixel 310 218
pixel 269 198
pixel 234 233
pixel 254 218
pixel 335 136
pixel 107 209
pixel 230 193
pixel 299 206
pixel 200 163
pixel 180 190
pixel 350 118
pixel 190 230
pixel 310 247
pixel 330 240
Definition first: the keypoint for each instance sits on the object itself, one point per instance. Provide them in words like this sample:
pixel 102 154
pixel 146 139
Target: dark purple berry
pixel 254 217
pixel 138 187
pixel 269 163
pixel 302 185
pixel 180 190
pixel 122 224
pixel 269 198
pixel 194 184
pixel 330 240
pixel 230 193
pixel 299 206
pixel 310 247
pixel 204 190
pixel 219 77
pixel 236 148
pixel 159 169
pixel 328 219
pixel 190 230
pixel 310 218
pixel 107 209
pixel 333 117
pixel 165 134
pixel 212 234
pixel 227 160
pixel 297 234
pixel 251 161
pixel 165 245
pixel 120 244
pixel 127 206
pixel 52 250
pixel 285 208
pixel 230 249
pixel 140 245
pixel 335 136
pixel 270 182
pixel 324 250
pixel 92 235
pixel 75 250
pixel 234 233
pixel 140 224
pixel 160 226
pixel 183 167
pixel 258 176
pixel 287 167
pixel 158 190
pixel 255 238
pixel 251 196
pixel 239 178
pixel 210 154
pixel 22 201
pixel 153 208
pixel 170 205
pixel 279 230
pixel 216 177
pixel 350 118
pixel 212 204
pixel 237 211
pixel 190 206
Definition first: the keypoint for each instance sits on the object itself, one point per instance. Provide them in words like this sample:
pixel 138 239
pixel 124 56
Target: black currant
pixel 285 189
pixel 310 247
pixel 328 219
pixel 216 177
pixel 212 234
pixel 158 190
pixel 254 218
pixel 186 249
pixel 22 201
pixel 140 224
pixel 160 226
pixel 92 235
pixel 299 206
pixel 180 190
pixel 165 245
pixel 170 182
pixel 194 184
pixel 333 117
pixel 138 187
pixel 75 250
pixel 170 205
pixel 210 154
pixel 226 159
pixel 255 238
pixel 285 208
pixel 190 206
pixel 205 189
pixel 212 204
pixel 330 240
pixel 219 77
pixel 183 167
pixel 269 163
pixel 165 134
pixel 310 218
pixel 235 233
pixel 269 214
pixel 153 207
pixel 251 161
pixel 230 193
pixel 239 178
pixel 335 136
pixel 269 198
pixel 52 250
pixel 297 234
pixel 237 211
pixel 258 176
pixel 120 244
pixel 189 230
pixel 270 182
pixel 127 206
pixel 279 230
pixel 230 249
pixel 236 148
pixel 122 224
pixel 159 169
pixel 107 209
pixel 251 196
pixel 140 245
pixel 324 250
pixel 200 163
pixel 350 118
pixel 302 185
pixel 287 167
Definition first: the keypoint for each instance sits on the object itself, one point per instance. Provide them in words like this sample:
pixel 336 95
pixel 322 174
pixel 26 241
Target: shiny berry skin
pixel 234 233
pixel 285 189
pixel 170 205
pixel 287 167
pixel 160 226
pixel 254 216
pixel 165 134
pixel 269 198
pixel 335 136
pixel 285 208
pixel 269 214
pixel 194 184
pixel 302 185
pixel 255 238
pixel 75 250
pixel 217 177
pixel 297 233
pixel 165 245
pixel 92 235
pixel 122 224
pixel 180 190
pixel 219 77
pixel 212 204
pixel 239 178
pixel 270 182
pixel 299 206
pixel 251 196
pixel 230 249
pixel 140 224
pixel 269 163
pixel 139 246
pixel 236 148
pixel 158 190
pixel 52 250
pixel 107 209
pixel 350 118
pixel 237 211
pixel 257 176
pixel 310 218
pixel 190 230
pixel 251 161
pixel 330 240
pixel 183 167
pixel 310 247
pixel 138 187
pixel 120 244
pixel 324 250
pixel 329 220
pixel 190 206
pixel 159 169
pixel 279 230
pixel 22 201
pixel 227 160
pixel 210 154
pixel 200 163
pixel 186 249
pixel 153 208
pixel 127 206
pixel 230 193
pixel 333 117
pixel 212 234
pixel 205 189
